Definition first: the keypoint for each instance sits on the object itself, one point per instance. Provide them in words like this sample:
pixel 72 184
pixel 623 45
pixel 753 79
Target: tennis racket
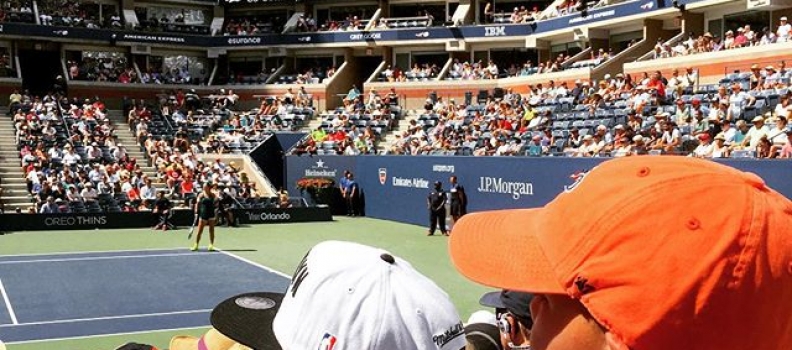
pixel 192 229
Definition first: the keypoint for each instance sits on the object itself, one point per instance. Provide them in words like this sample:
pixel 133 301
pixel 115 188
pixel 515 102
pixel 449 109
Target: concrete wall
pixel 713 65
pixel 416 93
pixel 247 166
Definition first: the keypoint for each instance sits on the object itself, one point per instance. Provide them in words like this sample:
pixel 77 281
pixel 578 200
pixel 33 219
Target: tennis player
pixel 205 206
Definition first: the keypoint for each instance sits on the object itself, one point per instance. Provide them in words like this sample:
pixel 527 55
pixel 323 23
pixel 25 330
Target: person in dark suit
pixel 458 199
pixel 437 212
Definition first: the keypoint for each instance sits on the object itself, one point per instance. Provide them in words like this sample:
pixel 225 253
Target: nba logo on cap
pixel 328 342
pixel 383 175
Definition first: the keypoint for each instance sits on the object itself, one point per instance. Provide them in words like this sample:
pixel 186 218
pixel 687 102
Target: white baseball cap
pixel 348 296
pixel 359 297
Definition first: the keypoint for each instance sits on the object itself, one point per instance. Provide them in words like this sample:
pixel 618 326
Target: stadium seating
pixel 560 122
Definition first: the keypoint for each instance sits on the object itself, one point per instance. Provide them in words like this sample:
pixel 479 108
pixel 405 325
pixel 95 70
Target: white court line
pixel 104 335
pixel 92 252
pixel 106 318
pixel 102 258
pixel 255 264
pixel 8 304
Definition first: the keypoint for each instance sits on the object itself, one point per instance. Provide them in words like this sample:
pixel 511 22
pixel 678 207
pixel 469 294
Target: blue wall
pixel 490 182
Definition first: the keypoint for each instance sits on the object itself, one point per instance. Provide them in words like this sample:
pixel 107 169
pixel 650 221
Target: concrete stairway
pixel 12 179
pixel 390 136
pixel 127 138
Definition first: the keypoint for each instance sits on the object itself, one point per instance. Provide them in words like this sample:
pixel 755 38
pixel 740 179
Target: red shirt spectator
pixel 656 84
pixel 187 186
pixel 134 194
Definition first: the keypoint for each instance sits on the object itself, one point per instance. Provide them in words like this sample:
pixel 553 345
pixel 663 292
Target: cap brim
pixel 501 249
pixel 492 299
pixel 247 319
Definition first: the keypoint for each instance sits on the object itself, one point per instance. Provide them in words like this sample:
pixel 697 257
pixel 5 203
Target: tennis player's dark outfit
pixel 206 208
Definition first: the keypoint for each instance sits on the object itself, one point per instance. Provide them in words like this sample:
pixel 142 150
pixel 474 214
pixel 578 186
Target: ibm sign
pixel 495 31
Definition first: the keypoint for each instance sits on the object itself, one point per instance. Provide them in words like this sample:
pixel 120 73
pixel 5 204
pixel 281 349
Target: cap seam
pixel 386 286
pixel 738 272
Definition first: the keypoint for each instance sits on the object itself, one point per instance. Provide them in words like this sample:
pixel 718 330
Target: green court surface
pixel 280 247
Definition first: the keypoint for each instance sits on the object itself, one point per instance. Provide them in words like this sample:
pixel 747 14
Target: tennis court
pixel 98 289
pixel 53 296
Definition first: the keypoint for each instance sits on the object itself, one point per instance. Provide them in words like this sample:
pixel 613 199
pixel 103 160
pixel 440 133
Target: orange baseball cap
pixel 665 252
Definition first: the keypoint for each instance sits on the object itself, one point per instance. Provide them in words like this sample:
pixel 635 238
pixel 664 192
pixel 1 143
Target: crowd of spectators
pixel 20 11
pixel 349 23
pixel 614 117
pixel 74 13
pixel 518 15
pixel 313 75
pixel 253 25
pixel 356 127
pixel 419 72
pixel 522 14
pixel 170 76
pixel 745 36
pixel 188 125
pixel 112 68
pixel 70 157
pixel 191 21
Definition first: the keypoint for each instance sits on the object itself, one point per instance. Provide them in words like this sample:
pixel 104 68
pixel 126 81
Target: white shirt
pixel 502 150
pixel 71 159
pixel 704 151
pixel 756 135
pixel 89 194
pixel 783 32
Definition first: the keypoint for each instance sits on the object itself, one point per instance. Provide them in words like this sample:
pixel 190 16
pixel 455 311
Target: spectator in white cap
pixel 783 30
pixel 346 296
pixel 755 133
pixel 588 148
pixel 720 149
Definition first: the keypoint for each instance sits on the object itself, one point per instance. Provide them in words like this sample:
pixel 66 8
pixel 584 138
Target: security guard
pixel 437 212
pixel 458 199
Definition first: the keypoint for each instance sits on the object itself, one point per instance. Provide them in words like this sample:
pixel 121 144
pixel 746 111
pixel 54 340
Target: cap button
pixel 388 258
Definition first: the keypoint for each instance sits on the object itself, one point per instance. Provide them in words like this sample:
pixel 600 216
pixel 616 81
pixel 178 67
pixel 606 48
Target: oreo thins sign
pixel 383 175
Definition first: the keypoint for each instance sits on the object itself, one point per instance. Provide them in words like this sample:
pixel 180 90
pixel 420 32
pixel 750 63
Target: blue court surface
pixel 60 296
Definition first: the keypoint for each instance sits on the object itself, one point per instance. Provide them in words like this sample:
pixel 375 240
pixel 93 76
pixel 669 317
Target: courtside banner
pixel 282 216
pixel 331 167
pixel 181 218
pixel 396 187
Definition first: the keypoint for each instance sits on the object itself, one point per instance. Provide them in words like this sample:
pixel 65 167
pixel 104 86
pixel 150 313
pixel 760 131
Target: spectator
pixel 755 134
pixel 591 299
pixel 49 207
pixel 436 326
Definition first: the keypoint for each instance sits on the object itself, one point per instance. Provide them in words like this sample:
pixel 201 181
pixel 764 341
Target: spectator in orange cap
pixel 615 262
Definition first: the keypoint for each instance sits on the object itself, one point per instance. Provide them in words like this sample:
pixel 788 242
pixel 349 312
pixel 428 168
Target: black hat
pixel 516 303
pixel 438 184
pixel 247 319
